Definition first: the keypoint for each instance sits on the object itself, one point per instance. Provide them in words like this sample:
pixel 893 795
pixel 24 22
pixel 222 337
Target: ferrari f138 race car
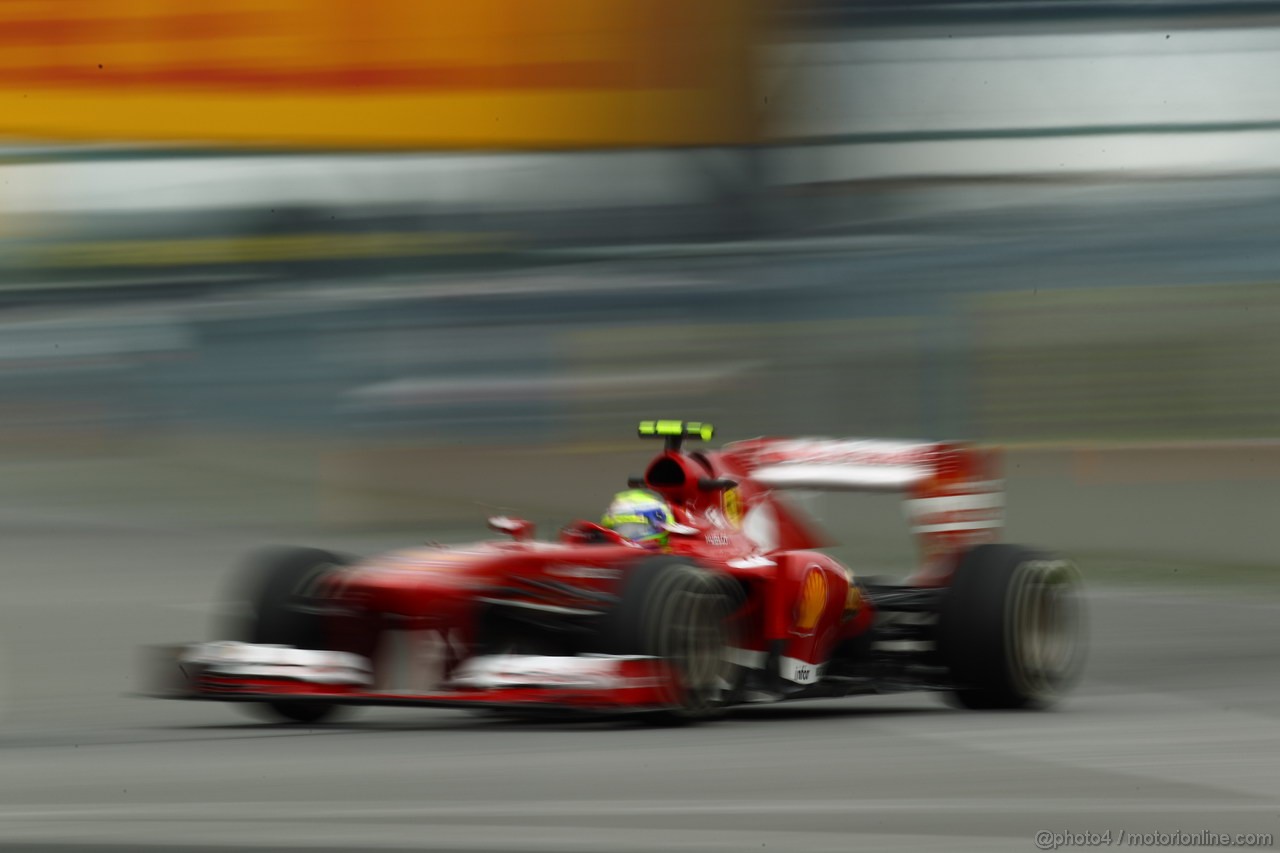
pixel 738 605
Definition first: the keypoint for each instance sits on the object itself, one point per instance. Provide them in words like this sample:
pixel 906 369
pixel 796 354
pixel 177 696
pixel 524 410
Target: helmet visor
pixel 636 530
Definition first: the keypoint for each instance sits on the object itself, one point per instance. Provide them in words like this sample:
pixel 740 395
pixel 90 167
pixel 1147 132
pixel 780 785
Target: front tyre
pixel 1011 629
pixel 277 586
pixel 682 614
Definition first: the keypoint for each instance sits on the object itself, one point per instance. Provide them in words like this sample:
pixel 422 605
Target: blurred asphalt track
pixel 1176 728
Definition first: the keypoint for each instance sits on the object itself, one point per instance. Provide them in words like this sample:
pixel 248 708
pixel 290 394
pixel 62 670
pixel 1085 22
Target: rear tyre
pixel 277 585
pixel 1012 630
pixel 681 613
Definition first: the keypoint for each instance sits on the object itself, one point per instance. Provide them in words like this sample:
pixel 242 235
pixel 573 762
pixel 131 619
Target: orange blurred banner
pixel 380 73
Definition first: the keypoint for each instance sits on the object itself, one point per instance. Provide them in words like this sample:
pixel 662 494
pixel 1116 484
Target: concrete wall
pixel 1152 100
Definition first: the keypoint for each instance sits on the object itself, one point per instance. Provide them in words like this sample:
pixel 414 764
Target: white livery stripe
pixel 496 671
pixel 755 562
pixel 853 451
pixel 957 525
pixel 849 477
pixel 950 503
pixel 954 513
pixel 250 660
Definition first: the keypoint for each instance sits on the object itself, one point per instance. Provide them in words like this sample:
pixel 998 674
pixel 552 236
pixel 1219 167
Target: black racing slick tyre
pixel 683 614
pixel 276 587
pixel 1012 628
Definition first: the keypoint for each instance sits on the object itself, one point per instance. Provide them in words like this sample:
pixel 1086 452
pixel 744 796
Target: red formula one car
pixel 738 606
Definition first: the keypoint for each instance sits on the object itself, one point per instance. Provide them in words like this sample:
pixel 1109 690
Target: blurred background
pixel 343 265
pixel 356 274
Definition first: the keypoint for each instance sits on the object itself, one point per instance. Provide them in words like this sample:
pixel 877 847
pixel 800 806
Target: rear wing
pixel 954 494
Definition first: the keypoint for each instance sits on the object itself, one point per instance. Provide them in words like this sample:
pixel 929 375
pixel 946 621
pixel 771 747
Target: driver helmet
pixel 641 516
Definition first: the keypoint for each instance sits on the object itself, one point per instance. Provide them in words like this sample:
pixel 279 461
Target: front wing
pixel 243 672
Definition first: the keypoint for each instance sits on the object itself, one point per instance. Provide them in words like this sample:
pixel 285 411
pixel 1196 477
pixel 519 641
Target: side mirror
pixel 517 528
pixel 590 533
pixel 716 484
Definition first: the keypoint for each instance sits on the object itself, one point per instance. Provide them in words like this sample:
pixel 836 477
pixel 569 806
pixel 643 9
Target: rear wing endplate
pixel 954 494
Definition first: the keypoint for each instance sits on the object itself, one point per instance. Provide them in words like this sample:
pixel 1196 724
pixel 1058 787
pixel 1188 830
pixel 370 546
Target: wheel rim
pixel 695 641
pixel 1043 631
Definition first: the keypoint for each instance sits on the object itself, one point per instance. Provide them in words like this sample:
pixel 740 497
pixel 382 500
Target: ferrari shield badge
pixel 732 507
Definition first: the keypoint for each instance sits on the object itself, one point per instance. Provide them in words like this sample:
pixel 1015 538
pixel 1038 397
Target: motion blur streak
pixel 421 73
pixel 361 274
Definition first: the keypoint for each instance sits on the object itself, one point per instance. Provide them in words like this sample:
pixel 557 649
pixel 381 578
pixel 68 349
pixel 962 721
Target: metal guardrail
pixel 865 13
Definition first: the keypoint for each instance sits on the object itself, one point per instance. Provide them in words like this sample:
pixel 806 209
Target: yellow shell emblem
pixel 812 601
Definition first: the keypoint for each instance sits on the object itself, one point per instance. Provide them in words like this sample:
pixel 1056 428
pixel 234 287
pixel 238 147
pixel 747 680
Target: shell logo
pixel 812 600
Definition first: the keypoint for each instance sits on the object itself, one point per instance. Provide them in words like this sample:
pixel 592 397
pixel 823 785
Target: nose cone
pixel 419 581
